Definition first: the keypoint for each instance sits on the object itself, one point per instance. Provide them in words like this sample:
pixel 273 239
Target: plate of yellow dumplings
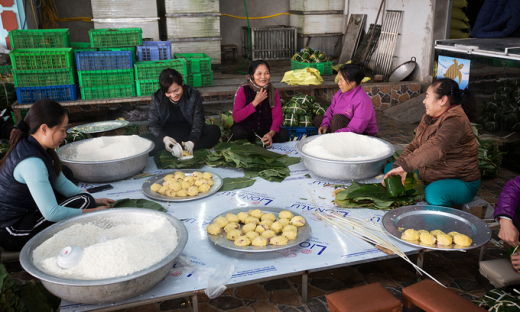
pixel 436 227
pixel 182 185
pixel 255 229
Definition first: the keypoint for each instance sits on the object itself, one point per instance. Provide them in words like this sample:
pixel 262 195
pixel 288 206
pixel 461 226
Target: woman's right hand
pixel 322 130
pixel 260 97
pixel 508 232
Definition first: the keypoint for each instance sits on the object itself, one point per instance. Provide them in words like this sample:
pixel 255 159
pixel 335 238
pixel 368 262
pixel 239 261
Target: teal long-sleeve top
pixel 32 172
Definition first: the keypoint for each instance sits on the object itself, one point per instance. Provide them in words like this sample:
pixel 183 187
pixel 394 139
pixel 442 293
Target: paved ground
pixel 457 270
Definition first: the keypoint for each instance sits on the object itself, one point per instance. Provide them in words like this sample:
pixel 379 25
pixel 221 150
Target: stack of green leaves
pixel 137 203
pixel 497 300
pixel 301 110
pixel 255 160
pixel 225 123
pixel 375 196
pixel 308 55
pixel 489 156
pixel 74 136
pixel 7 95
pixel 502 111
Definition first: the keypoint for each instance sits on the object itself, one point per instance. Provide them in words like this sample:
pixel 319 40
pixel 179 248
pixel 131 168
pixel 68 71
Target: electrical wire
pixel 34 15
pixel 249 43
pixel 51 18
pixel 260 17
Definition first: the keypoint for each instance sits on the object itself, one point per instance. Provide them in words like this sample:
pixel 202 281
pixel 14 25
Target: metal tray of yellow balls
pixel 159 179
pixel 304 232
pixel 430 218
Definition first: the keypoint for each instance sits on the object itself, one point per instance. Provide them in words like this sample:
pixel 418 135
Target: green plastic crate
pixel 150 70
pixel 109 92
pixel 196 62
pixel 116 37
pixel 42 78
pixel 146 87
pixel 131 49
pixel 39 38
pixel 80 45
pixel 56 58
pixel 201 80
pixel 101 78
pixel 325 68
pixel 6 70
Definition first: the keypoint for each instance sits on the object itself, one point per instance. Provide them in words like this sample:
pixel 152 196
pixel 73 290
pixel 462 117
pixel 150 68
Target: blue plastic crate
pixel 104 60
pixel 29 95
pixel 298 132
pixel 154 51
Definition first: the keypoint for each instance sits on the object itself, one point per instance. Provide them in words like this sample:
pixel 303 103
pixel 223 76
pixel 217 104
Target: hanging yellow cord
pixel 34 15
pixel 51 18
pixel 261 17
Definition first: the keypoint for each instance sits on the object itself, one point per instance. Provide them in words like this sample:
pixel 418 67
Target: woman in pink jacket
pixel 258 111
pixel 351 109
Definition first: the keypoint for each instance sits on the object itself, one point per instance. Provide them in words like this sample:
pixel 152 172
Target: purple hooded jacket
pixel 356 106
pixel 508 200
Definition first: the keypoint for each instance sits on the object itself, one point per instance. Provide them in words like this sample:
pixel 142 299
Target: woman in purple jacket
pixel 351 109
pixel 506 212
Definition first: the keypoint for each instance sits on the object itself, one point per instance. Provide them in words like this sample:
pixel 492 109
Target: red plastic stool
pixel 368 298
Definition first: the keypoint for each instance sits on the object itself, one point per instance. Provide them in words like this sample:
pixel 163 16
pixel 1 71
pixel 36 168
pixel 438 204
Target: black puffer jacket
pixel 190 105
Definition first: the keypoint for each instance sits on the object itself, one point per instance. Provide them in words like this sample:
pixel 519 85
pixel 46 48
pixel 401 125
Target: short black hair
pixel 167 77
pixel 255 65
pixel 352 72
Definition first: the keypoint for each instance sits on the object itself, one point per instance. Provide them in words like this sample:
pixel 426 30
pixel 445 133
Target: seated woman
pixel 176 114
pixel 30 172
pixel 351 109
pixel 444 150
pixel 258 110
pixel 506 212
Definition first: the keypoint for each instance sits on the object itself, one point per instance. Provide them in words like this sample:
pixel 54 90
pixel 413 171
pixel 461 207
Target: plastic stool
pixel 368 298
pixel 431 297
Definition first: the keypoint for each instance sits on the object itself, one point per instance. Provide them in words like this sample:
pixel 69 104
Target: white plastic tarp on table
pixel 326 248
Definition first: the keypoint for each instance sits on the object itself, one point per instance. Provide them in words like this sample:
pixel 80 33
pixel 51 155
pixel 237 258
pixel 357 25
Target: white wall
pixel 416 33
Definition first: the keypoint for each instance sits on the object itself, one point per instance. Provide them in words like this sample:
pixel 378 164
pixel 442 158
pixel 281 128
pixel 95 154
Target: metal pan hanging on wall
pixel 402 71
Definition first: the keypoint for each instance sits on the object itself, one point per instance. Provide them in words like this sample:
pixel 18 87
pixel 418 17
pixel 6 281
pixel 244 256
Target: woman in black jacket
pixel 176 115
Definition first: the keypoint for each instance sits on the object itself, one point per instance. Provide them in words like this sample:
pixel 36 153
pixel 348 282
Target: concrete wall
pixel 416 35
pixel 77 8
pixel 231 28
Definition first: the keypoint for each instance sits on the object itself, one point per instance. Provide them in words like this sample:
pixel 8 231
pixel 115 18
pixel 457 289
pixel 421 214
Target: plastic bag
pixel 217 282
pixel 302 77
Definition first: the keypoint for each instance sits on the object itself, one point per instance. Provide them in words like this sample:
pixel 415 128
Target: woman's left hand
pixel 268 139
pixel 104 202
pixel 396 171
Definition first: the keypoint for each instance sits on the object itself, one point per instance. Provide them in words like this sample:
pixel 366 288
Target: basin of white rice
pixel 132 245
pixel 346 146
pixel 107 148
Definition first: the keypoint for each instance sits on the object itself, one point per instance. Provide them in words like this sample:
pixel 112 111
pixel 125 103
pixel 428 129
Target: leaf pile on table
pixel 256 161
pixel 376 196
pixel 501 112
pixel 301 110
pixel 489 156
pixel 497 300
pixel 137 203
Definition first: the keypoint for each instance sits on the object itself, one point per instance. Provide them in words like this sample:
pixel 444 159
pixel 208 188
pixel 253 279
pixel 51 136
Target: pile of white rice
pixel 132 247
pixel 107 148
pixel 346 146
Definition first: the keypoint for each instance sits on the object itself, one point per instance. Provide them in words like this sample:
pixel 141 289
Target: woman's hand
pixel 260 97
pixel 267 139
pixel 508 232
pixel 396 171
pixel 104 202
pixel 515 260
pixel 322 130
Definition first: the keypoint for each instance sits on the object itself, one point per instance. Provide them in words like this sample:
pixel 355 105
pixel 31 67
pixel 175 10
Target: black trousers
pixel 208 138
pixel 239 132
pixel 13 238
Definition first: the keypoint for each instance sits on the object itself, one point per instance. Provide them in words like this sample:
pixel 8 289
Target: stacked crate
pixel 198 69
pixel 108 73
pixel 193 26
pixel 43 65
pixel 147 74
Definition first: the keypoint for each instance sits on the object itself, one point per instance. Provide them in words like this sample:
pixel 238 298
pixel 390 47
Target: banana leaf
pixel 394 186
pixel 137 203
pixel 236 183
pixel 164 159
pixel 37 298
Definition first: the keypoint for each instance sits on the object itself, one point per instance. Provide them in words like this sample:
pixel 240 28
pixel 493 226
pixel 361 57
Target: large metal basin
pixel 343 170
pixel 110 289
pixel 104 171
